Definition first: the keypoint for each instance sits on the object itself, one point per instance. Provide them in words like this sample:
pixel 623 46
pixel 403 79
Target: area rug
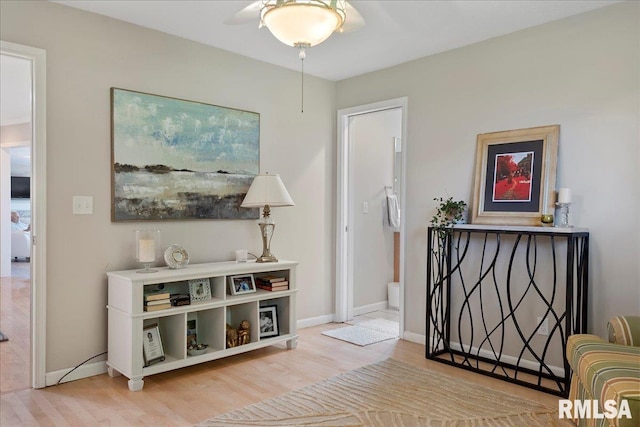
pixel 393 393
pixel 367 332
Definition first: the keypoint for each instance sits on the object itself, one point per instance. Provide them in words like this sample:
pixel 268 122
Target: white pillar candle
pixel 564 195
pixel 147 250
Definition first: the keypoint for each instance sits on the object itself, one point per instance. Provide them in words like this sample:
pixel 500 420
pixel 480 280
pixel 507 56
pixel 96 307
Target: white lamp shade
pixel 300 23
pixel 267 189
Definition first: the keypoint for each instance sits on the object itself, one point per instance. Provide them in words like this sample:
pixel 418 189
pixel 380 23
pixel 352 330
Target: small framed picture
pixel 192 331
pixel 269 321
pixel 242 284
pixel 152 345
pixel 199 290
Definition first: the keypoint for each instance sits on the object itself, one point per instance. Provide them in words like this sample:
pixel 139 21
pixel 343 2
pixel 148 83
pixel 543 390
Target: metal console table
pixel 502 300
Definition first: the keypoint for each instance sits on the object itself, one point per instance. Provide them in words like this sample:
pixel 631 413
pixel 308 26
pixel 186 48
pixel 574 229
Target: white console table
pixel 127 318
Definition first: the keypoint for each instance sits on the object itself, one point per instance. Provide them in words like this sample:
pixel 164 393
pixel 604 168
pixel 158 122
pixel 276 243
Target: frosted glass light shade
pixel 302 23
pixel 267 189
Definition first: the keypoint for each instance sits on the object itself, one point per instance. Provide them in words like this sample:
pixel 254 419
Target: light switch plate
pixel 83 205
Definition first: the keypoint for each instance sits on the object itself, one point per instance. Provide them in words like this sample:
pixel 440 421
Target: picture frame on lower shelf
pixel 269 321
pixel 242 284
pixel 192 331
pixel 152 345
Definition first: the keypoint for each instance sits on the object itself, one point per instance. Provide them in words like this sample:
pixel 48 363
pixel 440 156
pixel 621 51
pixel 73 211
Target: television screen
pixel 20 187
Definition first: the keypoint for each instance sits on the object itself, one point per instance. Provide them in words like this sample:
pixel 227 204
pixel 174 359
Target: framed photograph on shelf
pixel 152 345
pixel 242 284
pixel 199 290
pixel 192 330
pixel 515 176
pixel 269 321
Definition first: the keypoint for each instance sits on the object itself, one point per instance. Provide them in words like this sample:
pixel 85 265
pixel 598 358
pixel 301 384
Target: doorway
pixel 27 314
pixel 367 175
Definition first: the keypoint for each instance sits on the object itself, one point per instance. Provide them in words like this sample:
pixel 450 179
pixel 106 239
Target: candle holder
pixel 546 220
pixel 147 248
pixel 563 215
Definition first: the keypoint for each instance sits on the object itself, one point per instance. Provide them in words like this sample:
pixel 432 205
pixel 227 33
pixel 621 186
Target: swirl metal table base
pixel 490 293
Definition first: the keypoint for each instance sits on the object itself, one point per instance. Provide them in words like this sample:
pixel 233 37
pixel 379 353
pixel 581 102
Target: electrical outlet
pixel 543 326
pixel 365 207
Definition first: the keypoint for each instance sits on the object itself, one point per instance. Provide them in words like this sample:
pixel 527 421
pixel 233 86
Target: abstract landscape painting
pixel 175 159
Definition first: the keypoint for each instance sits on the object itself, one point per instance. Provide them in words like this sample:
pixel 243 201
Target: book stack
pixel 272 283
pixel 157 301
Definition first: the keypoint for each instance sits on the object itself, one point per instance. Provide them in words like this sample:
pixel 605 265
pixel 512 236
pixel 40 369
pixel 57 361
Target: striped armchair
pixel 607 371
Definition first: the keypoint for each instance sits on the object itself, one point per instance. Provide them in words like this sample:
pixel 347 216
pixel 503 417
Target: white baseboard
pixel 382 305
pixel 329 318
pixel 314 321
pixel 530 364
pixel 413 337
pixel 84 371
pixel 525 363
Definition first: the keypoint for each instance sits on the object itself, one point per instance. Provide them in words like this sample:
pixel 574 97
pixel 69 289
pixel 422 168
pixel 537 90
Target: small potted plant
pixel 448 213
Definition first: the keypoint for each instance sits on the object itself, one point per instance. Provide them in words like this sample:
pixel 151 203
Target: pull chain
pixel 302 54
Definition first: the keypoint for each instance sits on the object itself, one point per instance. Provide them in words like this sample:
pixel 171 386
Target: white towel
pixel 393 211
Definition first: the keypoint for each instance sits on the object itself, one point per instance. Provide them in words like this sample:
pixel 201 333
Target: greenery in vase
pixel 448 212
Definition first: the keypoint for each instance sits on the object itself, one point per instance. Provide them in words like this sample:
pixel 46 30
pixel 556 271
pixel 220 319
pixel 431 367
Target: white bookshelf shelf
pixel 127 317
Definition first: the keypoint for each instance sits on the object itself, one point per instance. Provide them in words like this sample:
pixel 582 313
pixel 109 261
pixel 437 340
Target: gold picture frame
pixel 515 176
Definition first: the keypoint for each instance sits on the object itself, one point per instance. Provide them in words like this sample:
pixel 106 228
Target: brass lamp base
pixel 266 229
pixel 267 258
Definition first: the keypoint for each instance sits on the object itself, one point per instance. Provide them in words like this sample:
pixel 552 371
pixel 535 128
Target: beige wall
pixel 581 73
pixel 86 55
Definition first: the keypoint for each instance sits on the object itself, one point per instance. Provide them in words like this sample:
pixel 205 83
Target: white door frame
pixel 344 208
pixel 38 206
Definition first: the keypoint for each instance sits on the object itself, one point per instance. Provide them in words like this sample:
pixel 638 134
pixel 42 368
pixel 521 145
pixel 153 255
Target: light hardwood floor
pixel 15 294
pixel 190 395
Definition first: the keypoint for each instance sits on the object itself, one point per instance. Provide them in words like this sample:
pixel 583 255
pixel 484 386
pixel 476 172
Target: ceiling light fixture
pixel 302 23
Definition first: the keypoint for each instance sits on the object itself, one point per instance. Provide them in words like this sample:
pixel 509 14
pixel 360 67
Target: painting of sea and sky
pixel 175 159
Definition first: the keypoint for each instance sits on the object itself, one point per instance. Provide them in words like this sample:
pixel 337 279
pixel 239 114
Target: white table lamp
pixel 266 191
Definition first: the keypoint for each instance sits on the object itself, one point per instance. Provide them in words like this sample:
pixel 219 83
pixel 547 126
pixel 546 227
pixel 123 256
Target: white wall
pixel 86 55
pixel 373 154
pixel 581 73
